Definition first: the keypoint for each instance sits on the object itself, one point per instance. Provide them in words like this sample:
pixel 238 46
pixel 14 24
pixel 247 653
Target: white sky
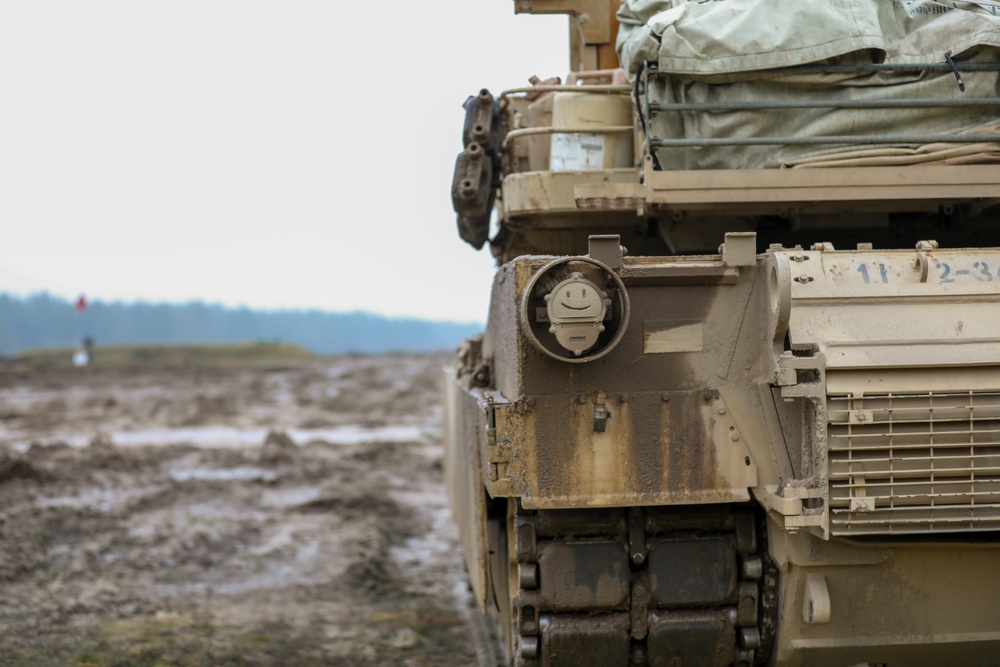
pixel 293 154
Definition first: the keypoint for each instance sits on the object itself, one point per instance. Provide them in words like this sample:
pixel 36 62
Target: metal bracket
pixel 860 502
pixel 739 249
pixel 498 447
pixel 788 502
pixel 816 607
pixel 786 376
pixel 606 249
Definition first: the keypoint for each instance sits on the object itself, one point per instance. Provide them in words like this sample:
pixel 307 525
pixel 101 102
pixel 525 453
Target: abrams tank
pixel 738 398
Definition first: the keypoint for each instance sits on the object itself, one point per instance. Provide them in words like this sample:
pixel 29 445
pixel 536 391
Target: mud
pixel 285 514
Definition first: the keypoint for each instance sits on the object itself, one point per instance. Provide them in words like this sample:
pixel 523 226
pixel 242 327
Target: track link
pixel 644 587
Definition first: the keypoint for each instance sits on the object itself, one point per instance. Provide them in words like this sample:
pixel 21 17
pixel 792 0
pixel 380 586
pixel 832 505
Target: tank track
pixel 644 587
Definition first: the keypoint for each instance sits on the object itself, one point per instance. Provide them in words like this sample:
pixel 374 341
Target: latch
pixel 802 504
pixel 601 417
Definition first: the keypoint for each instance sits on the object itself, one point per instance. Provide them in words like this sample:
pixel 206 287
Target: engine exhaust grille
pixel 914 463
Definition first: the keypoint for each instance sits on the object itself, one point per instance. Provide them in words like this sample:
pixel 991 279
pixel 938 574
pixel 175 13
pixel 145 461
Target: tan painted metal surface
pixel 871 424
pixel 767 452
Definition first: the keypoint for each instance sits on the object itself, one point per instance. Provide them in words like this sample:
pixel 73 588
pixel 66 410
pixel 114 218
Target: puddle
pixel 103 500
pixel 293 497
pixel 245 473
pixel 357 435
pixel 220 437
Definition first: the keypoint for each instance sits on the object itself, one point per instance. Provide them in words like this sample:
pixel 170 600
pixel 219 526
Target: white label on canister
pixel 577 152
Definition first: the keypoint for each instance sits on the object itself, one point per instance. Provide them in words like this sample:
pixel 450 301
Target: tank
pixel 738 397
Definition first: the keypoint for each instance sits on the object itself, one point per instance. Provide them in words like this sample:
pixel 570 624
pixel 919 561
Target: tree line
pixel 43 320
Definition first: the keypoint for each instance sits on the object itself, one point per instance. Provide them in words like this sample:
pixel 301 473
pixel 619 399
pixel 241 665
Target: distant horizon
pixel 242 307
pixel 50 321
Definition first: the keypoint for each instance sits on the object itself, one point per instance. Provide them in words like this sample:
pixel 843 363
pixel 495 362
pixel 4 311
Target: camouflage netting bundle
pixel 721 51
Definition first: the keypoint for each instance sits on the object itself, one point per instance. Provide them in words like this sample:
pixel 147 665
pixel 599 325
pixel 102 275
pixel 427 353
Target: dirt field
pixel 290 513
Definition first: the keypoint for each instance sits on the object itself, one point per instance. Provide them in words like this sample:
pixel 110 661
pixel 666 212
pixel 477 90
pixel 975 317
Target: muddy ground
pixel 286 513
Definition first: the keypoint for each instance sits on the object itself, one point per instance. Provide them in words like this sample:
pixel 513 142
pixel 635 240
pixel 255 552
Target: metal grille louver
pixel 914 463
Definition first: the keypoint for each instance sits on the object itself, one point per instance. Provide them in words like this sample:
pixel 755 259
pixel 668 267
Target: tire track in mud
pixel 285 551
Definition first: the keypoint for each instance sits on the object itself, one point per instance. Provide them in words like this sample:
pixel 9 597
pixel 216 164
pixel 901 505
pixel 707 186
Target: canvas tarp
pixel 725 51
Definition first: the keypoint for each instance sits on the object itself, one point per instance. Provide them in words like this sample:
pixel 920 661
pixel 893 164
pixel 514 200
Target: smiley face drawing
pixel 574 298
pixel 576 309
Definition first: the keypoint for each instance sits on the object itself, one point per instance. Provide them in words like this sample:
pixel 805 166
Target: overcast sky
pixel 291 154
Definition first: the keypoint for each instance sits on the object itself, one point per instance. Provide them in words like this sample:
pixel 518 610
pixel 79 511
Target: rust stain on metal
pixel 690 464
pixel 647 436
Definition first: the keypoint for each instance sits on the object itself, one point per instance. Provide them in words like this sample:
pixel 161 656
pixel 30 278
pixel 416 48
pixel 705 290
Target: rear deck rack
pixel 651 107
pixel 916 188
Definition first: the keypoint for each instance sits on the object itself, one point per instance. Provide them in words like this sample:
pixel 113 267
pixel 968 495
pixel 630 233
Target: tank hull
pixel 732 482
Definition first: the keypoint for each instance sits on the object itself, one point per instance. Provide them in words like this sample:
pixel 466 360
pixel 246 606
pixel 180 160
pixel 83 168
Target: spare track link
pixel 643 587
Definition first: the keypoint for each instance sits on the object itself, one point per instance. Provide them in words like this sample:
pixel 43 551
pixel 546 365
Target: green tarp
pixel 725 51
